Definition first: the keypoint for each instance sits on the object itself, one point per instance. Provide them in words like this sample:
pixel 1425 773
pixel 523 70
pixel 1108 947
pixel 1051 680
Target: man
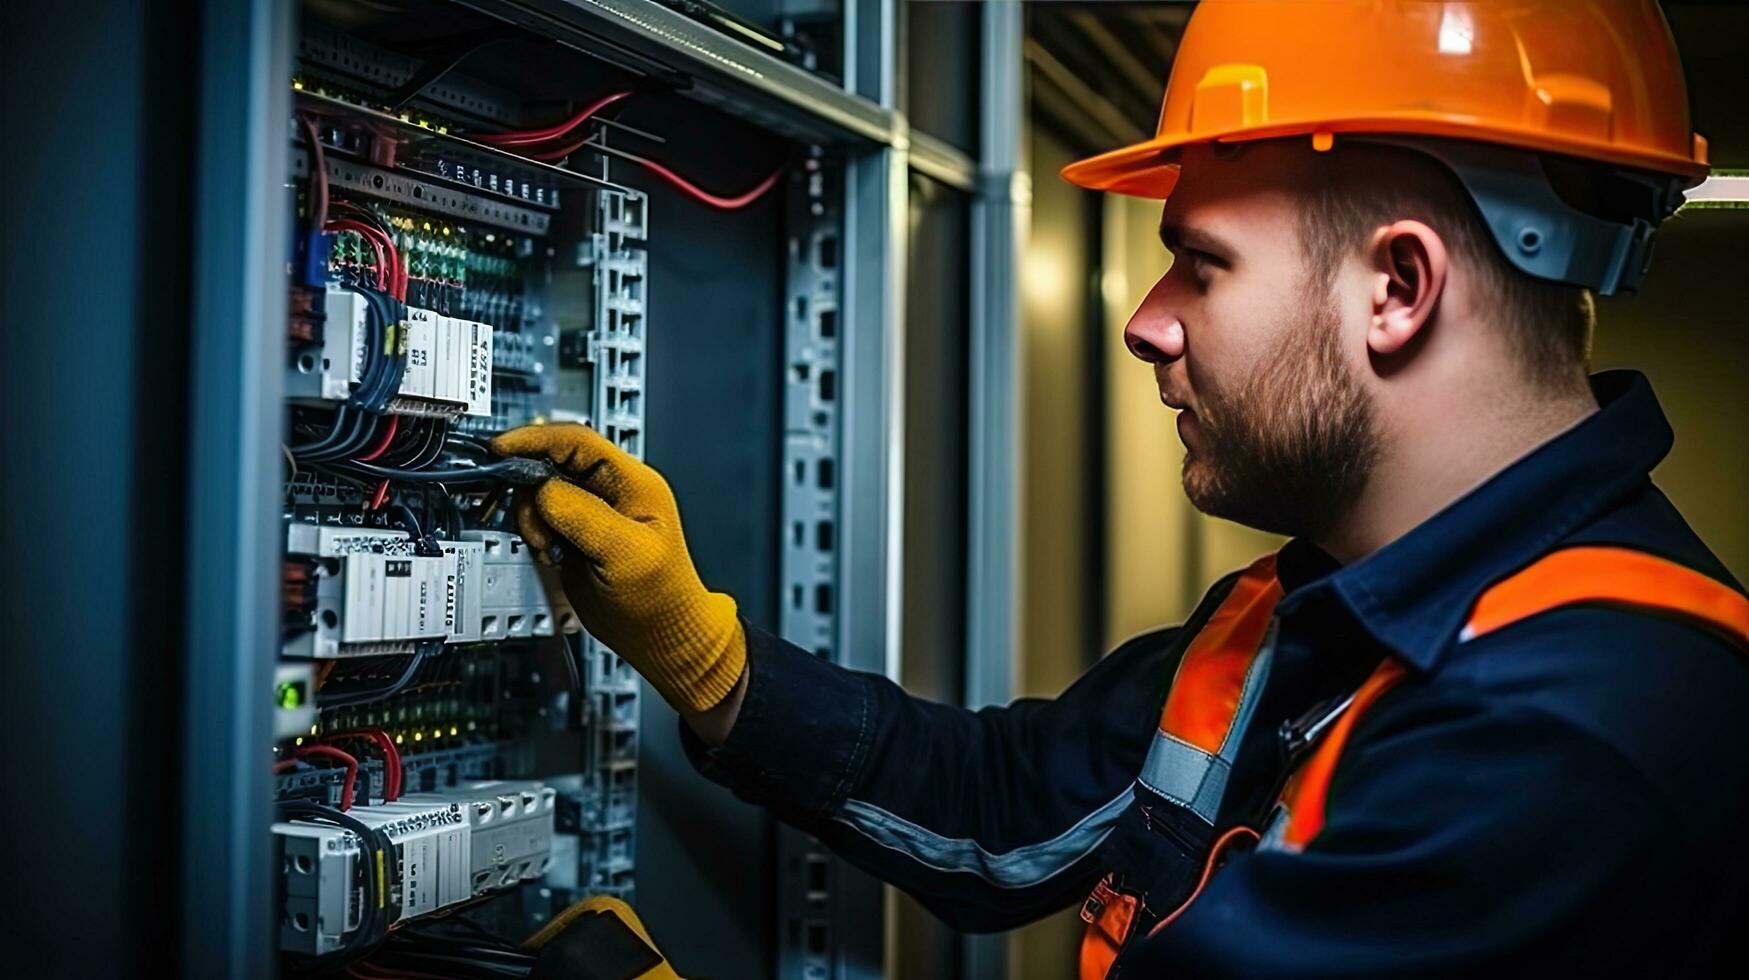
pixel 1486 711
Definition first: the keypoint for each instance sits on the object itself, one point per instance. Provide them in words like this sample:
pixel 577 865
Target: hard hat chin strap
pixel 1542 234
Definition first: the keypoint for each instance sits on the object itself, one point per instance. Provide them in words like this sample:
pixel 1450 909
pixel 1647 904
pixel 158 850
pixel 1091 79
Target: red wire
pixel 330 752
pixel 560 152
pixel 383 444
pixel 703 196
pixel 382 494
pixel 526 137
pixel 391 277
pixel 393 774
pixel 374 238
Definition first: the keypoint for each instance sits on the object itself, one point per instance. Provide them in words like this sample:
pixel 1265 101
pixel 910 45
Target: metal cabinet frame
pixel 243 108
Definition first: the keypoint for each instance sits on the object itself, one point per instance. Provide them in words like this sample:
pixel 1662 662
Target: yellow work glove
pixel 630 579
pixel 598 938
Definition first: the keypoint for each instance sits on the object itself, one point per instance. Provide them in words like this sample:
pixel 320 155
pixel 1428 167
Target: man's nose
pixel 1154 334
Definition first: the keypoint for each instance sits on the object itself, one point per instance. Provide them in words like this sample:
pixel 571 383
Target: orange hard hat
pixel 1507 94
pixel 1595 79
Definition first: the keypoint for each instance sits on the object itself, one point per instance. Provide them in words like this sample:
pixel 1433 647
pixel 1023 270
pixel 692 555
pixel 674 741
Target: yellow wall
pixel 1688 330
pixel 1055 500
pixel 1057 418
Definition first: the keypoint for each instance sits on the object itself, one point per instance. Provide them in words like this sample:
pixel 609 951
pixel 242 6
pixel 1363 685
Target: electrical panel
pixel 437 704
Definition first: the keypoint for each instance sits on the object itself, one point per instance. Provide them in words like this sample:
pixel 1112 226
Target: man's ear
pixel 1407 262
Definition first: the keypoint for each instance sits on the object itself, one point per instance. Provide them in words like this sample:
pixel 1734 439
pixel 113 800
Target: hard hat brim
pixel 1149 168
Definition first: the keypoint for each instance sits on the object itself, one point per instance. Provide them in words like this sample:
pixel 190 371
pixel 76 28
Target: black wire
pixel 473 443
pixel 375 356
pixel 346 699
pixel 573 654
pixel 386 382
pixel 409 519
pixel 432 476
pixel 433 447
pixel 456 520
pixel 374 845
pixel 460 919
pixel 412 439
pixel 359 438
pixel 365 214
pixel 332 438
pixel 444 62
pixel 419 957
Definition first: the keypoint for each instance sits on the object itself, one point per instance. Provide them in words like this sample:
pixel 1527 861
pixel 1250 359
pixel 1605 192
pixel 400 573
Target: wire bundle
pixel 450 946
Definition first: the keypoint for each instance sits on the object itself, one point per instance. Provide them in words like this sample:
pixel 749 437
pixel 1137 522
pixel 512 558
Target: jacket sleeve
pixel 990 818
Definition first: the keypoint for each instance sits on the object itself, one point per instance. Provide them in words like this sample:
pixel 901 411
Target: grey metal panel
pixel 808 875
pixel 651 39
pixel 1000 216
pixel 873 476
pixel 705 860
pixel 873 426
pixel 92 329
pixel 871 50
pixel 999 220
pixel 237 323
pixel 942 161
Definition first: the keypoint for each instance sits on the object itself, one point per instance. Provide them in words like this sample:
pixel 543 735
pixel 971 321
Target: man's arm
pixel 990 818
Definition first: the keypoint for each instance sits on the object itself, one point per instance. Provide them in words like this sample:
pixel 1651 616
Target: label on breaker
pixel 390 597
pixel 449 360
pixel 422 329
pixel 479 368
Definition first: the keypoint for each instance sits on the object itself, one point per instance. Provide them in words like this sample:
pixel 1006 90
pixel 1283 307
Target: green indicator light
pixel 290 695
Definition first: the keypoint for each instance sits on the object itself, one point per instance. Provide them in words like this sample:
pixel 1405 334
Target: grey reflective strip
pixel 1018 868
pixel 1184 774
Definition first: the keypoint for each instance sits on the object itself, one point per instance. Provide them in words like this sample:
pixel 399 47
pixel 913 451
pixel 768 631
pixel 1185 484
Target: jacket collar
pixel 1414 594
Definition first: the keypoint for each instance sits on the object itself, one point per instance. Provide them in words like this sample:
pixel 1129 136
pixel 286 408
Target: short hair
pixel 1354 188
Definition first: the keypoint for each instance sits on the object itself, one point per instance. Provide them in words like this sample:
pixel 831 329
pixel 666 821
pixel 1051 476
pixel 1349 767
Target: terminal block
pixel 449 360
pixel 449 847
pixel 378 592
pixel 519 597
pixel 373 592
pixel 322 867
pixel 510 830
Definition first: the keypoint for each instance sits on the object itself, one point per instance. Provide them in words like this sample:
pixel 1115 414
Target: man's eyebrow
pixel 1177 236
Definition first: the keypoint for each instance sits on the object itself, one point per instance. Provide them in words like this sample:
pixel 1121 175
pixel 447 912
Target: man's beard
pixel 1289 448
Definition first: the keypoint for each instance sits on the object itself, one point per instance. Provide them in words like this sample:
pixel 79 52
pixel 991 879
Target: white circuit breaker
pixel 449 360
pixel 375 594
pixel 450 846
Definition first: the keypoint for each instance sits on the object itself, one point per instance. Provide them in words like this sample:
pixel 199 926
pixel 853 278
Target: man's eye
pixel 1200 262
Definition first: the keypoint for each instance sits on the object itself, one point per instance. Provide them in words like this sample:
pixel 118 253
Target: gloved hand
pixel 631 580
pixel 599 938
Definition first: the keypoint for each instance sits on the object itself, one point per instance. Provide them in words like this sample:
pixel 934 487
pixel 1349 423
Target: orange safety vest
pixel 1220 677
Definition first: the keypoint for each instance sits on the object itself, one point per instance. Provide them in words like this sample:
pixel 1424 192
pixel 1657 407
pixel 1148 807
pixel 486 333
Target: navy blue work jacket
pixel 1567 792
